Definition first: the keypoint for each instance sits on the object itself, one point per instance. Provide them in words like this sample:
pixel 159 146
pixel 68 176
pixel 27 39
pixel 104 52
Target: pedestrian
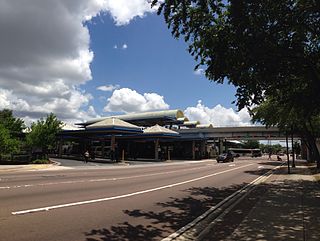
pixel 86 156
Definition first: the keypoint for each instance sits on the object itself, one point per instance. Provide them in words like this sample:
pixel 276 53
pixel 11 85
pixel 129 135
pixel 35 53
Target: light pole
pixel 287 152
pixel 292 146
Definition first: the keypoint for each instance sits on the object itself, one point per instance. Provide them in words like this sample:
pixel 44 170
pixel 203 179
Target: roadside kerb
pixel 56 163
pixel 200 227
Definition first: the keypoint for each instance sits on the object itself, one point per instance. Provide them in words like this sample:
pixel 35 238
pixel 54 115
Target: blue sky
pixel 153 62
pixel 83 59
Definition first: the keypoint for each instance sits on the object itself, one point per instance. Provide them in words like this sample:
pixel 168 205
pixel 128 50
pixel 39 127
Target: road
pixel 138 202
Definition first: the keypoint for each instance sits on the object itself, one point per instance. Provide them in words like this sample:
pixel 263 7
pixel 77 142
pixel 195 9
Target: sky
pixel 82 59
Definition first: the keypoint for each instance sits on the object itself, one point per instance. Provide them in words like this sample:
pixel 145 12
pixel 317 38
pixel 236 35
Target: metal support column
pixel 287 153
pixel 292 146
pixel 193 150
pixel 156 147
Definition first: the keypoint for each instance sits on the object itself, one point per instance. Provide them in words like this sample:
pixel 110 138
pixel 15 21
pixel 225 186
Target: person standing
pixel 86 156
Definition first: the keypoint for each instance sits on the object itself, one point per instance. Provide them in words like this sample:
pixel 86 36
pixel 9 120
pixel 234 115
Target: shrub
pixel 40 161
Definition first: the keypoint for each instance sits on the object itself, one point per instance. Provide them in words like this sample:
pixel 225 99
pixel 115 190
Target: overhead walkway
pixel 233 133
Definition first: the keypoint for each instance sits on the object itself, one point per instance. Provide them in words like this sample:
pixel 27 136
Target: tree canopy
pixel 10 131
pixel 251 144
pixel 290 119
pixel 13 124
pixel 269 50
pixel 43 133
pixel 8 144
pixel 259 46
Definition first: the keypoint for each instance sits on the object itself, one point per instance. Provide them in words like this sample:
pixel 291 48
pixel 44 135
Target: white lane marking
pixel 100 180
pixel 122 196
pixel 182 230
pixel 231 165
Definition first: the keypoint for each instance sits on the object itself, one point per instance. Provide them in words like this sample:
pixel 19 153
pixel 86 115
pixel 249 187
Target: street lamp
pixel 293 158
pixel 287 152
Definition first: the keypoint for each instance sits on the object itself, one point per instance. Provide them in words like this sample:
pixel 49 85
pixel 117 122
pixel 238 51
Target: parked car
pixel 225 157
pixel 235 154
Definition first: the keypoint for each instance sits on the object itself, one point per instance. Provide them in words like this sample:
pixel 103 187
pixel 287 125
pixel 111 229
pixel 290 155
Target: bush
pixel 14 159
pixel 41 161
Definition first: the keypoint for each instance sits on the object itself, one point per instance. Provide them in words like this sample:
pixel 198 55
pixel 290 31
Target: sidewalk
pixel 5 169
pixel 288 208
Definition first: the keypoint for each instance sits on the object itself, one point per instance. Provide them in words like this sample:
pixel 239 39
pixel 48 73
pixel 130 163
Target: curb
pixel 200 227
pixel 55 162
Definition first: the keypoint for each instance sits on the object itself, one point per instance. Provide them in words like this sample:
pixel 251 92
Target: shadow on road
pixel 273 211
pixel 125 231
pixel 175 214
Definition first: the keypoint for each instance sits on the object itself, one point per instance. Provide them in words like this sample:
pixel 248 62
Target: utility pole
pixel 287 152
pixel 292 146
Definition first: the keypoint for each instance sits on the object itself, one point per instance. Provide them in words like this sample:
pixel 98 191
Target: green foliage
pixel 269 50
pixel 250 144
pixel 43 133
pixel 276 148
pixel 41 161
pixel 290 119
pixel 7 143
pixel 263 47
pixel 11 123
pixel 10 132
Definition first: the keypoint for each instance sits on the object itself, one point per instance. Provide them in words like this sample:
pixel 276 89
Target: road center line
pixel 122 196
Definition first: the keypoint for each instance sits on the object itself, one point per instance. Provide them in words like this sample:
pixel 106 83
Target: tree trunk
pixel 312 143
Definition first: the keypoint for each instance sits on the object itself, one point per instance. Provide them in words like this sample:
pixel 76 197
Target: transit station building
pixel 158 135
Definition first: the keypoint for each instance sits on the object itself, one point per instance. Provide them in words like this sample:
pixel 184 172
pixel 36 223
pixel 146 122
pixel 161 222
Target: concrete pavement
pixel 286 207
pixel 30 167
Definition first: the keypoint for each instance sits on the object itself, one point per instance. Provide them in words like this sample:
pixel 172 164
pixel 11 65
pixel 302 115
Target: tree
pixel 8 144
pixel 290 119
pixel 259 46
pixel 267 49
pixel 275 148
pixel 43 133
pixel 10 132
pixel 14 125
pixel 250 144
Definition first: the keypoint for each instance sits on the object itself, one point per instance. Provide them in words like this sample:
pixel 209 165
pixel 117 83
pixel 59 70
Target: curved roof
pixel 146 118
pixel 183 119
pixel 114 123
pixel 156 129
pixel 204 126
pixel 191 123
pixel 67 127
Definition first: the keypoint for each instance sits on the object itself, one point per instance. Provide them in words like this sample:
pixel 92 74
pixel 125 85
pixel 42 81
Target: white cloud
pixel 218 115
pixel 199 71
pixel 123 11
pixel 123 46
pixel 45 54
pixel 108 88
pixel 127 100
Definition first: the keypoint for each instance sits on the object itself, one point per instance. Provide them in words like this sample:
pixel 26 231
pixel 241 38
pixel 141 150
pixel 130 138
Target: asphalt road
pixel 139 202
